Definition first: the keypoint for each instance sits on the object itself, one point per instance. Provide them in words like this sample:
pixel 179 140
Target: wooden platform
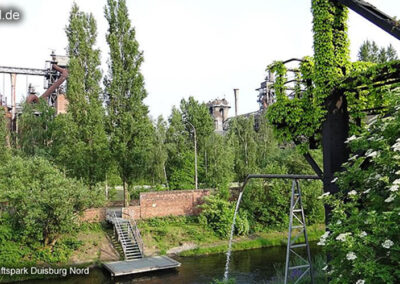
pixel 119 268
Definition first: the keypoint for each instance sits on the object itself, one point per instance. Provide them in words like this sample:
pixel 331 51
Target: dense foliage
pixel 42 203
pixel 80 139
pixel 4 136
pixel 218 214
pixel 128 124
pixel 363 236
pixel 370 52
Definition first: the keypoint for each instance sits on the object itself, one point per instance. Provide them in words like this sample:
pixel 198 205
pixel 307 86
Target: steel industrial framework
pixel 296 207
pixel 55 74
pixel 374 15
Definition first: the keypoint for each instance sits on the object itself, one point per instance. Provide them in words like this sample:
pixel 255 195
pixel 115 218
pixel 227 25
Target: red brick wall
pixel 94 215
pixel 158 204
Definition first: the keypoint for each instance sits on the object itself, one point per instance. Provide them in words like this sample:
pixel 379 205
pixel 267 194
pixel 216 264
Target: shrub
pixel 43 203
pixel 364 236
pixel 217 214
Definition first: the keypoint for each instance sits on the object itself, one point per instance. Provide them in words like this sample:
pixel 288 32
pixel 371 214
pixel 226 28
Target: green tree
pixel 128 124
pixel 180 162
pixel 220 163
pixel 159 153
pixel 370 52
pixel 192 117
pixel 4 136
pixel 242 135
pixel 35 129
pixel 81 145
pixel 42 203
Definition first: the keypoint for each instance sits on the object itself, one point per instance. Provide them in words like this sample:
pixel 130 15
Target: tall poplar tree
pixel 81 141
pixel 4 135
pixel 129 126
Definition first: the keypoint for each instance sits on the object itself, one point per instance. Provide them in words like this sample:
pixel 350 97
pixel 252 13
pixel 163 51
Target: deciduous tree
pixel 128 124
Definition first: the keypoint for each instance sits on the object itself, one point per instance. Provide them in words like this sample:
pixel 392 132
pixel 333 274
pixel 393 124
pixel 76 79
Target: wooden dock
pixel 119 268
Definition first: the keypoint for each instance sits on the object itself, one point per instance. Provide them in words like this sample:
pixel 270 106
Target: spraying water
pixel 228 253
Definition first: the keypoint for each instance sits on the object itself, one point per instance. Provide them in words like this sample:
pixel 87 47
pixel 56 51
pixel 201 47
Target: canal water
pixel 250 266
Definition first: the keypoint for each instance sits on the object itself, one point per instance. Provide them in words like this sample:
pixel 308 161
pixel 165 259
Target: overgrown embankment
pixel 187 236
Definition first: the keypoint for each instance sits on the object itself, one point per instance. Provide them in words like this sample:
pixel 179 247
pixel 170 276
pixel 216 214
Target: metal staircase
pixel 297 222
pixel 128 235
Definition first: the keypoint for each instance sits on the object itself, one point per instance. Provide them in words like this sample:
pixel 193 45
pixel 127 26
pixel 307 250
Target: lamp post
pixel 195 155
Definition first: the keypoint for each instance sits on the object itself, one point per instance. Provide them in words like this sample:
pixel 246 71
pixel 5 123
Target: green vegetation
pixel 370 52
pixel 162 234
pixel 257 240
pixel 189 233
pixel 363 235
pixel 80 141
pixel 82 247
pixel 42 204
pixel 128 124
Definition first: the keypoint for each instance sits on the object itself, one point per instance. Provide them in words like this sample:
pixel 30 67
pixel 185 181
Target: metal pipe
pixel 271 176
pixel 53 87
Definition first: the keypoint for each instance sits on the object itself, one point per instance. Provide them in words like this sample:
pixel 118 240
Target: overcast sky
pixel 191 47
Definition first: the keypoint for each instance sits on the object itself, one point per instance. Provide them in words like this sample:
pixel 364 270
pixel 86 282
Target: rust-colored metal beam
pixel 63 77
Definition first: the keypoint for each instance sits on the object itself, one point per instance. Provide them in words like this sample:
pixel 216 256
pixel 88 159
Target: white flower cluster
pixel 353 192
pixel 342 237
pixel 351 138
pixel 323 195
pixel 396 146
pixel 360 281
pixel 323 238
pixel 362 234
pixel 371 153
pixel 351 256
pixel 353 157
pixel 387 244
pixel 394 188
pixel 390 198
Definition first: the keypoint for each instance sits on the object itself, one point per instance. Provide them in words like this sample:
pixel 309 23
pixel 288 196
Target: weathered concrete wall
pixel 157 204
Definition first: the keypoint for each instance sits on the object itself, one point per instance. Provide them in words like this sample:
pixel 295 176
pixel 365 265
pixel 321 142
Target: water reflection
pixel 251 266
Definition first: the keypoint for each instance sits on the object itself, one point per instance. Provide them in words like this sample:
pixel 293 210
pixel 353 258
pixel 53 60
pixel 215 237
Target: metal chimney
pixel 236 94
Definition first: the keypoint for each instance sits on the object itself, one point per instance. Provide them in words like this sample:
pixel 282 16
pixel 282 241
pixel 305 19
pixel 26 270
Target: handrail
pixel 118 226
pixel 271 176
pixel 135 231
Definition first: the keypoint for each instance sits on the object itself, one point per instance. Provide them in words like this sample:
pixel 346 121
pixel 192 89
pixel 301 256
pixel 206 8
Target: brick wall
pixel 158 204
pixel 94 215
pixel 61 104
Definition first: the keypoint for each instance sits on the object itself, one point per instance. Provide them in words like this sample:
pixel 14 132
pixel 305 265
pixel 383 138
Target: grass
pixel 161 234
pixel 319 275
pixel 255 241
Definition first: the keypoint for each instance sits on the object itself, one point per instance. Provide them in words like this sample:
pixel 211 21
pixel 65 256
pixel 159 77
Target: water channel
pixel 250 266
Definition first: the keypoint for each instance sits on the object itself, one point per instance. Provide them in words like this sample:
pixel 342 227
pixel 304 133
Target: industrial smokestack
pixel 236 94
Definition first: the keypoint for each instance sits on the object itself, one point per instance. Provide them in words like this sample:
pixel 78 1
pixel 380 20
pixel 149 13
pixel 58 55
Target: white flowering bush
pixel 363 242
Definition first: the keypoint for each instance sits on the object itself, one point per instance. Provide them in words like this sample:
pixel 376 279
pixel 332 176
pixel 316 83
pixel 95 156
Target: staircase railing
pixel 120 234
pixel 135 231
